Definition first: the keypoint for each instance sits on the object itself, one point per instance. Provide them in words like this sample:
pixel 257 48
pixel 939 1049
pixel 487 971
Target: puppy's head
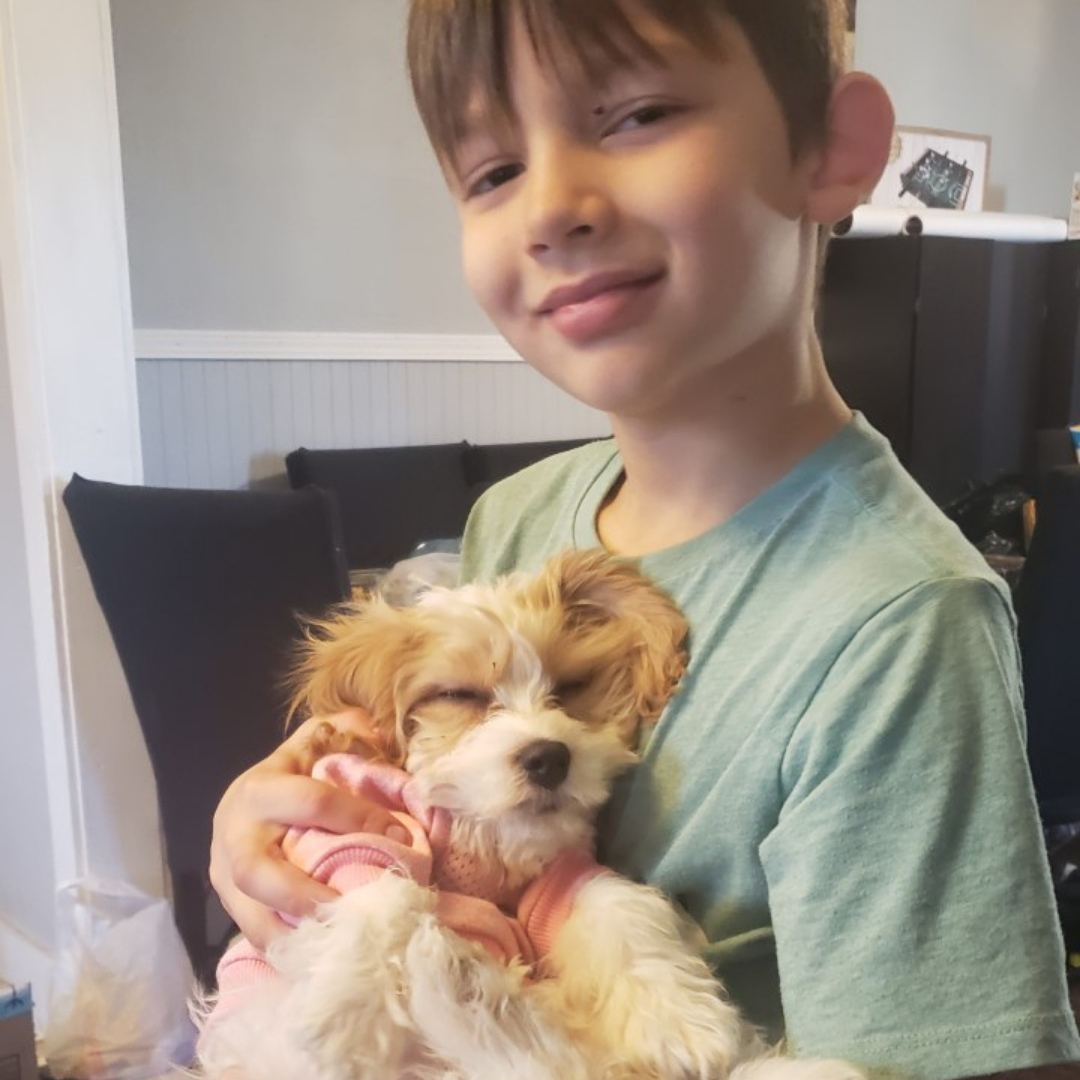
pixel 516 702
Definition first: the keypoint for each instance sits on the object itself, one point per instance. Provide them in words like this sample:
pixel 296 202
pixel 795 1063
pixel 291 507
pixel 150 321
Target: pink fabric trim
pixel 546 903
pixel 481 921
pixel 239 971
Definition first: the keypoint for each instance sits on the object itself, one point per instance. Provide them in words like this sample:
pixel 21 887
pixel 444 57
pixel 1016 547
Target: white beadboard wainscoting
pixel 222 410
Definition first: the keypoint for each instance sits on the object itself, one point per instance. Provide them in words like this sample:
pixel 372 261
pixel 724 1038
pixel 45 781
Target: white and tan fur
pixel 458 686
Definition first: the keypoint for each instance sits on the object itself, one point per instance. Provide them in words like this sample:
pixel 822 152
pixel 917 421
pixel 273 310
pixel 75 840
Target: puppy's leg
pixel 479 1016
pixel 249 1040
pixel 776 1067
pixel 625 978
pixel 345 968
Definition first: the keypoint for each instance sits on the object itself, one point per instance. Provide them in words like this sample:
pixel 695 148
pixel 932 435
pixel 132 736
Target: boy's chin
pixel 630 380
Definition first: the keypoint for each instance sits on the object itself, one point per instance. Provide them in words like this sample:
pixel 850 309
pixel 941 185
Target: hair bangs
pixel 458 52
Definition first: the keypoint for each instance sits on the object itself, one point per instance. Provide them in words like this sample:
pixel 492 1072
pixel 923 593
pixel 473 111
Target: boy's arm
pixel 1070 1070
pixel 909 887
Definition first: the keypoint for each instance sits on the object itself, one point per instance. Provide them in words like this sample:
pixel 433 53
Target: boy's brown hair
pixel 458 46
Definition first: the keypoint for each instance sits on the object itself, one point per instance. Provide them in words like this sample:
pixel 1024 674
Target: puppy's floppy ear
pixel 609 599
pixel 354 658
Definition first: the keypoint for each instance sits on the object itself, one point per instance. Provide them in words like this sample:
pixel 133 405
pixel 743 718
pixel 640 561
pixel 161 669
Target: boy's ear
pixel 856 151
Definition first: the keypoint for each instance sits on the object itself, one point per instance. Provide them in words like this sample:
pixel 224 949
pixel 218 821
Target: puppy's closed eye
pixel 565 692
pixel 568 687
pixel 465 694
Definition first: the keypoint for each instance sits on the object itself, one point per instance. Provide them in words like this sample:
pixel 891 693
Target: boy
pixel 839 793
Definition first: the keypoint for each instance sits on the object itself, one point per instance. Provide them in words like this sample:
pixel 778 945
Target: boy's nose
pixel 567 204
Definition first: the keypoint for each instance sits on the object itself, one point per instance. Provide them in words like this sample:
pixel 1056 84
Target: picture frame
pixel 932 167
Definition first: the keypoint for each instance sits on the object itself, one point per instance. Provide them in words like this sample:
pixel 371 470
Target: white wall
pixel 222 423
pixel 1004 68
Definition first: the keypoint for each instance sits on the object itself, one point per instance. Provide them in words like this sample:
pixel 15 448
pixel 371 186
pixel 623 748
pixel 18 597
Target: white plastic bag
pixel 120 985
pixel 406 581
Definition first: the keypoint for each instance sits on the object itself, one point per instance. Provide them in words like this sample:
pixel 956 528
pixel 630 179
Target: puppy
pixel 481 941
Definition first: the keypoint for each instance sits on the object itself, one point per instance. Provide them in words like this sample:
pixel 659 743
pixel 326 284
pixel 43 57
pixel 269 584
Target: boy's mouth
pixel 597 304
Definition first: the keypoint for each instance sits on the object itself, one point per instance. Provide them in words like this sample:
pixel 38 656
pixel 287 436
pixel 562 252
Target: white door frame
pixel 68 351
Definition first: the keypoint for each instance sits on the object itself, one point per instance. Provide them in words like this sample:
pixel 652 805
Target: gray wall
pixel 275 175
pixel 1004 68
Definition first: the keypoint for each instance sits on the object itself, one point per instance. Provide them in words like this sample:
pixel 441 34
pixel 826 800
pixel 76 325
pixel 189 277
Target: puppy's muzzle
pixel 545 763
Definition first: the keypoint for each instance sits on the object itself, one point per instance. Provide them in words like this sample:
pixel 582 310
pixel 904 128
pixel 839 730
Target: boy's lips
pixel 598 304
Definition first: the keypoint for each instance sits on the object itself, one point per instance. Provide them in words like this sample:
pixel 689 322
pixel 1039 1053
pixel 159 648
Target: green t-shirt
pixel 839 793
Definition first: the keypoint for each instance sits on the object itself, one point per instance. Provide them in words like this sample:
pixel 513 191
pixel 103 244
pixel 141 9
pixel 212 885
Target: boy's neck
pixel 698 463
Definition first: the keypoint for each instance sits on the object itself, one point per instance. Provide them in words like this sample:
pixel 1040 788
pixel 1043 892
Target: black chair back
pixel 201 591
pixel 391 498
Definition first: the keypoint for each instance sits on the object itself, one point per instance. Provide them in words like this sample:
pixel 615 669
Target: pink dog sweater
pixel 471 901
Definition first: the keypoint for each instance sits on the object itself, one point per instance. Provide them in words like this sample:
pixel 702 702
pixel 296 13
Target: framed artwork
pixel 932 168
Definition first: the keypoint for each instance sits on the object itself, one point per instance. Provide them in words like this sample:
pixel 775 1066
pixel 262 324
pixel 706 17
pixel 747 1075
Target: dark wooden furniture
pixel 958 350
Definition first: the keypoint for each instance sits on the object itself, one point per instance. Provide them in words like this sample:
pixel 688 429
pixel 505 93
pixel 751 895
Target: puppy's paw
pixel 637 991
pixel 776 1067
pixel 477 1016
pixel 666 1031
pixel 345 968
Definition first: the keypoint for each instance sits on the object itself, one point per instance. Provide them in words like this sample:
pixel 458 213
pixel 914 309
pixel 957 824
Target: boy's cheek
pixel 490 278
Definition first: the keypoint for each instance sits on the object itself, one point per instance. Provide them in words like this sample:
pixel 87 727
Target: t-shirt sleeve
pixel 908 884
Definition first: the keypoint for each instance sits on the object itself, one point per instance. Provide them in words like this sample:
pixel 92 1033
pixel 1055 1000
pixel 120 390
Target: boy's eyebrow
pixel 599 67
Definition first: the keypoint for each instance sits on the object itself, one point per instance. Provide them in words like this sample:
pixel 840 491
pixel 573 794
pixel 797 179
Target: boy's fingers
pixel 280 888
pixel 258 924
pixel 299 752
pixel 292 800
pixel 248 869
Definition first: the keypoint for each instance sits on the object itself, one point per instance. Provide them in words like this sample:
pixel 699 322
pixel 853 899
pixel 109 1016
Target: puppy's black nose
pixel 545 762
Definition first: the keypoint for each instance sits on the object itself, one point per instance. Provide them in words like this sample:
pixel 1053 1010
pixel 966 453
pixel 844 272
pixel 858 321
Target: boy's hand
pixel 247 866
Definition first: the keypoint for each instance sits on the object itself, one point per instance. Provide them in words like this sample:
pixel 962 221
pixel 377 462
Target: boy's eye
pixel 642 117
pixel 494 178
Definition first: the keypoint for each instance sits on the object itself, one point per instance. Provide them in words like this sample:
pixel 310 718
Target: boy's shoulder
pixel 887 522
pixel 846 534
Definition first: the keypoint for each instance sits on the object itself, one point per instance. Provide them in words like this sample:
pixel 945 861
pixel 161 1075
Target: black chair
pixel 391 498
pixel 201 591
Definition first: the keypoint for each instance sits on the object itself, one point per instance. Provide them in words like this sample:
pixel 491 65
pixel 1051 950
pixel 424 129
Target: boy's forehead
pixel 589 65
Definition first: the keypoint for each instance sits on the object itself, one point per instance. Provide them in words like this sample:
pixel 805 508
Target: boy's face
pixel 636 240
